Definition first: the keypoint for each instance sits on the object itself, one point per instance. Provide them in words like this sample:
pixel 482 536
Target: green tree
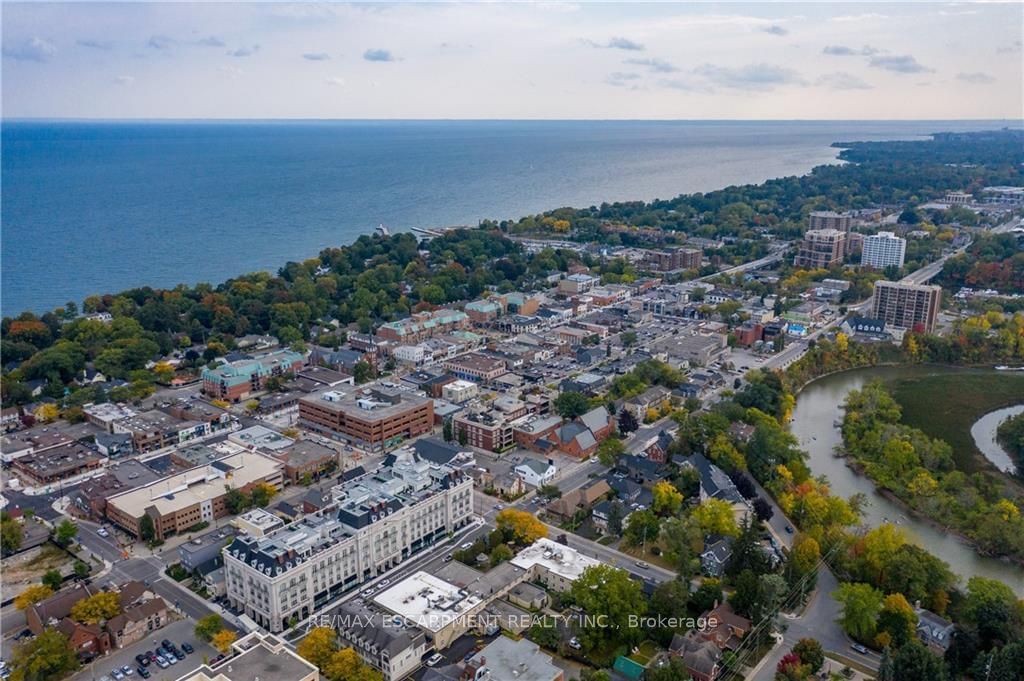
pixel 707 594
pixel 609 451
pixel 53 579
pixel 65 532
pixel 897 620
pixel 500 554
pixel 715 516
pixel 861 604
pixel 570 404
pixel 47 657
pixel 10 534
pixel 208 626
pixel 611 598
pixel 81 570
pixel 235 500
pixel 912 662
pixel 641 527
pixel 363 372
pixel 616 512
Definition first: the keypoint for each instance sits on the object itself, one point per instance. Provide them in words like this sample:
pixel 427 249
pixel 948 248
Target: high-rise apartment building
pixel 907 306
pixel 821 248
pixel 883 249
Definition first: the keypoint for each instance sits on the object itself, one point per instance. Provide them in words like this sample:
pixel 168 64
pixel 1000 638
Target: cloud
pixel 840 80
pixel 1015 46
pixel 160 42
pixel 95 44
pixel 655 65
pixel 316 56
pixel 617 43
pixel 125 81
pixel 32 49
pixel 775 29
pixel 230 71
pixel 336 82
pixel 244 51
pixel 844 51
pixel 976 78
pixel 621 79
pixel 898 63
pixel 210 41
pixel 378 55
pixel 850 18
pixel 759 77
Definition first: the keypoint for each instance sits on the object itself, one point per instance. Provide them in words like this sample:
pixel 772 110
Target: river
pixel 984 433
pixel 818 408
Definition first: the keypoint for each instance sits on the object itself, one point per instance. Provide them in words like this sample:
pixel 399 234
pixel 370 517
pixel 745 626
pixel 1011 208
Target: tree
pixel 611 598
pixel 81 570
pixel 549 491
pixel 32 595
pixel 571 404
pixel 641 527
pixel 500 554
pixel 463 437
pixel 11 533
pixel 609 451
pixel 709 593
pixel 346 665
pixel 791 668
pixel 446 430
pixel 318 646
pixel 627 338
pixel 46 657
pixel 65 532
pixel 262 493
pixel 524 526
pixel 675 670
pixel 897 620
pixel 667 499
pixel 223 639
pixel 208 626
pixel 715 516
pixel 362 372
pixel 47 413
pixel 96 608
pixel 912 662
pixel 810 652
pixel 53 579
pixel 252 406
pixel 627 422
pixel 763 510
pixel 861 605
pixel 147 532
pixel 616 512
pixel 683 542
pixel 544 633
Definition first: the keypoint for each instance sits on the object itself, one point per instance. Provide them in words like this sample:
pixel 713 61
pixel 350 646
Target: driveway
pixel 178 632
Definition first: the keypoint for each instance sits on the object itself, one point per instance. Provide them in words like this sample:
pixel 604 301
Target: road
pixel 752 265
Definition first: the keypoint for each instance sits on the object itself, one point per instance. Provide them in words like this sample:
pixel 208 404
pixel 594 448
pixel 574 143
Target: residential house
pixel 934 631
pixel 701 657
pixel 652 398
pixel 580 499
pixel 716 554
pixel 536 473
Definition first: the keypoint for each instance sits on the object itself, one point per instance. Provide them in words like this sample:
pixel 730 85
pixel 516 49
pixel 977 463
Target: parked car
pixel 166 643
pixel 188 648
pixel 143 672
pixel 575 644
pixel 860 649
pixel 789 529
pixel 434 659
pixel 117 674
pixel 448 558
pixel 642 565
pixel 142 659
pixel 161 662
pixel 127 671
pixel 102 532
pixel 467 545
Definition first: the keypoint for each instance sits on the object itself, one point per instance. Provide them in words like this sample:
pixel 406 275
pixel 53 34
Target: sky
pixel 544 60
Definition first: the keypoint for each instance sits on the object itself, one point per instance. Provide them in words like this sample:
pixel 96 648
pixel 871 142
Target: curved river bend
pixel 984 432
pixel 818 408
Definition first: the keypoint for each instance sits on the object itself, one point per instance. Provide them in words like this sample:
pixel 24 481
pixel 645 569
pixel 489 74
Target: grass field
pixel 645 653
pixel 945 406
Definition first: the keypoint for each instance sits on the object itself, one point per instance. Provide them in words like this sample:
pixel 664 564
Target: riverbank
pixel 818 408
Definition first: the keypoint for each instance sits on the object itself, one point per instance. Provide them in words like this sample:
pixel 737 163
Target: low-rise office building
pixel 375 416
pixel 178 502
pixel 235 381
pixel 423 325
pixel 55 465
pixel 374 523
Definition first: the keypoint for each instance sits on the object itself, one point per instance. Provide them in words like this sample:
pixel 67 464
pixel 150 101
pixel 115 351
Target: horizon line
pixel 77 119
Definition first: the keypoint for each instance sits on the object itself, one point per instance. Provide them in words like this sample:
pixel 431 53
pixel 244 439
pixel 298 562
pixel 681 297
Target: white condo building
pixel 883 249
pixel 374 523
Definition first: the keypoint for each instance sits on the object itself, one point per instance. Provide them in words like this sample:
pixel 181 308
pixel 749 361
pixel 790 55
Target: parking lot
pixel 181 631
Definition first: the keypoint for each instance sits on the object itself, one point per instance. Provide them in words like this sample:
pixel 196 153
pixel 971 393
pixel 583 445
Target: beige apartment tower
pixel 907 306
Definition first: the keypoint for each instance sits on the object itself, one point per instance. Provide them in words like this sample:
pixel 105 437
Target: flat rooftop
pixel 428 601
pixel 261 436
pixel 521 660
pixel 556 558
pixel 374 402
pixel 197 484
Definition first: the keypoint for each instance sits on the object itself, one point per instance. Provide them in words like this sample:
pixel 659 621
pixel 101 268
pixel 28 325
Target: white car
pixel 383 583
pixel 434 659
pixel 102 532
pixel 467 545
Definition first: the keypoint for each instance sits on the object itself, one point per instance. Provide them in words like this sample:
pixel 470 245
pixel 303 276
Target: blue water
pixel 100 207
